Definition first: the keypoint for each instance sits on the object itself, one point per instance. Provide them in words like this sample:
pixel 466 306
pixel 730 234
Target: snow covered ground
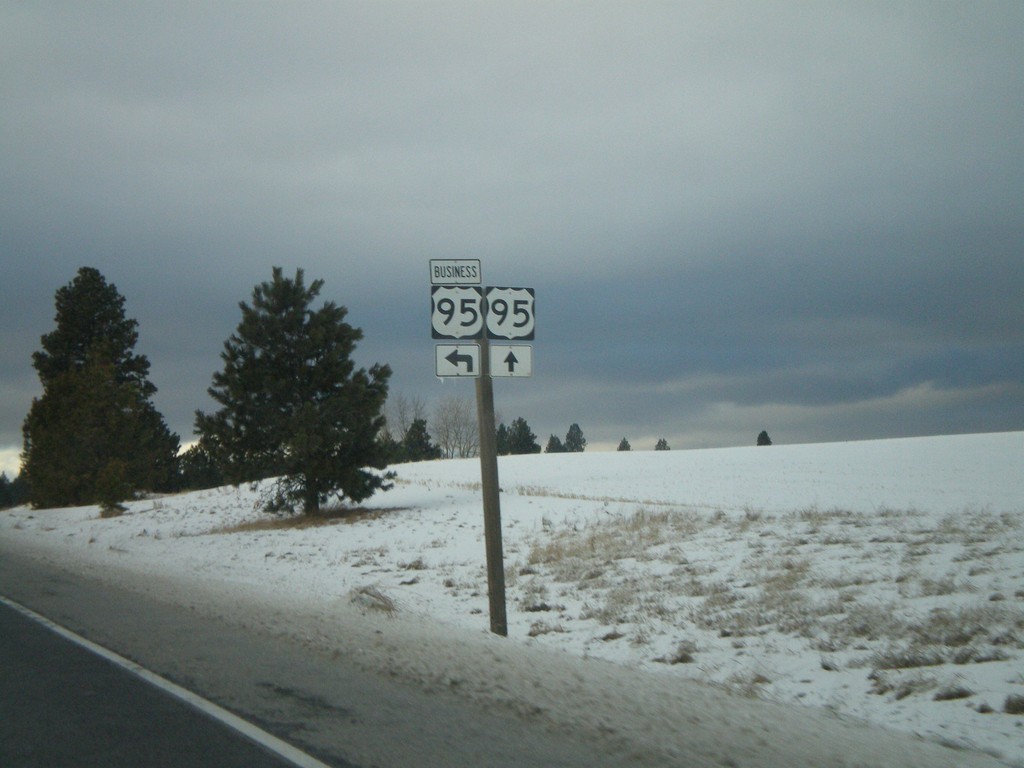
pixel 878 580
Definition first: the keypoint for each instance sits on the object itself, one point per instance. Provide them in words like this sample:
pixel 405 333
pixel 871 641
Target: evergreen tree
pixel 520 439
pixel 91 324
pixel 14 492
pixel 86 421
pixel 662 445
pixel 6 492
pixel 292 403
pixel 198 469
pixel 502 441
pixel 112 487
pixel 393 450
pixel 554 445
pixel 624 445
pixel 95 410
pixel 20 490
pixel 417 446
pixel 763 439
pixel 574 440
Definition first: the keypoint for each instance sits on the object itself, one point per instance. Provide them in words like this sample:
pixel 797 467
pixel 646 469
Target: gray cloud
pixel 737 211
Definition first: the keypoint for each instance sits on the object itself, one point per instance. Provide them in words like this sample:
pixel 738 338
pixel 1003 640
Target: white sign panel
pixel 457 360
pixel 456 312
pixel 510 313
pixel 455 271
pixel 511 360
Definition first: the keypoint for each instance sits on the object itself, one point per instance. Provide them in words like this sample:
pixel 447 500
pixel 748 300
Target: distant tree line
pixel 291 405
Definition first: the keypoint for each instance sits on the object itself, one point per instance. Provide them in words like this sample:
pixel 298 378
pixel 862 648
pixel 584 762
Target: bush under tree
pixel 96 409
pixel 293 405
pixel 112 488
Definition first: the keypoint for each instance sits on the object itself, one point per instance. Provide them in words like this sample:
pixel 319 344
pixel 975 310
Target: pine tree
pixel 416 445
pixel 624 445
pixel 198 469
pixel 662 445
pixel 95 410
pixel 763 439
pixel 112 487
pixel 554 445
pixel 574 440
pixel 292 403
pixel 502 441
pixel 6 492
pixel 12 492
pixel 91 325
pixel 85 421
pixel 520 439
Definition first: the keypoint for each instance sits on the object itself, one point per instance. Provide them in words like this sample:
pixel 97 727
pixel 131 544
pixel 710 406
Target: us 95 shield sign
pixel 510 313
pixel 456 312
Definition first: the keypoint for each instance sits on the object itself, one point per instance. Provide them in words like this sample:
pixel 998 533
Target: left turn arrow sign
pixel 457 360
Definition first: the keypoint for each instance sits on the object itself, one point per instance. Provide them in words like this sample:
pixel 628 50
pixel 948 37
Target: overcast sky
pixel 800 217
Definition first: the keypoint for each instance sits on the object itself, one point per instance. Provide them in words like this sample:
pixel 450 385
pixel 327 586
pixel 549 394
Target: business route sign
pixel 455 271
pixel 461 310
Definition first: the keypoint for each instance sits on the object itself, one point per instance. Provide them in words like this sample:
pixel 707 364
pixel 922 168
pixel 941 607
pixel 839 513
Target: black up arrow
pixel 510 361
pixel 455 359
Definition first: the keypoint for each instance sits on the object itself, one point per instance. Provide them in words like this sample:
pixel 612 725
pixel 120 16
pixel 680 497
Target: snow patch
pixel 669 603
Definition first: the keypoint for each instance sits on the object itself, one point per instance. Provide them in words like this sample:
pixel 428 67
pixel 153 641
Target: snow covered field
pixel 878 580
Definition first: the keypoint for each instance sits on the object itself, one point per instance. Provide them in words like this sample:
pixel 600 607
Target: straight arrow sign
pixel 511 360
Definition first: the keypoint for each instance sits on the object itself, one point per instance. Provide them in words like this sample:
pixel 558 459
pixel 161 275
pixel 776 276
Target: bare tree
pixel 455 428
pixel 400 412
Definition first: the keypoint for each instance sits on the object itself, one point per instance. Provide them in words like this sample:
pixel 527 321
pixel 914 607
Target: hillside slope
pixel 880 581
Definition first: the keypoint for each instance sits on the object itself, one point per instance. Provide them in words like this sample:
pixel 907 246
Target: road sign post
pixel 491 497
pixel 461 310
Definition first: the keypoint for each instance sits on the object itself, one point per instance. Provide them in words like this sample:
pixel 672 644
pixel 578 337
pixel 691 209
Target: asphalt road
pixel 62 705
pixel 325 706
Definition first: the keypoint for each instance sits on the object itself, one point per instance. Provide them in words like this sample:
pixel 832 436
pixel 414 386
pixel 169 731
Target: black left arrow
pixel 511 360
pixel 455 358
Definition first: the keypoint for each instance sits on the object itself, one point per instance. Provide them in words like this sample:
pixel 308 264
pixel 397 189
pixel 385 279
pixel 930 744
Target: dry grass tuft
pixel 1014 704
pixel 619 538
pixel 372 598
pixel 327 516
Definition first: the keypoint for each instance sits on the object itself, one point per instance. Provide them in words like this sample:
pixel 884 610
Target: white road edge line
pixel 244 727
